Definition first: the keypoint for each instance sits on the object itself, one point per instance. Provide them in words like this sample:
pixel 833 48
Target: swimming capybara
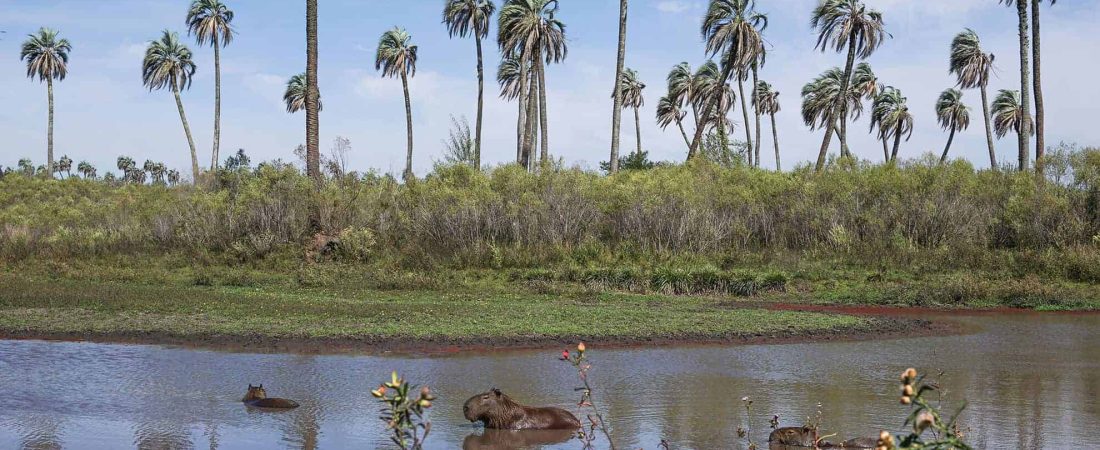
pixel 793 436
pixel 498 411
pixel 491 439
pixel 257 397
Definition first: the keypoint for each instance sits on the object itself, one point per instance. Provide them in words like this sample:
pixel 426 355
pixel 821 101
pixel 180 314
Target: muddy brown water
pixel 1032 381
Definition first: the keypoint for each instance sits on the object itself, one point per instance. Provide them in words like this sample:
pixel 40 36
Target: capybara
pixel 498 411
pixel 794 436
pixel 490 439
pixel 257 397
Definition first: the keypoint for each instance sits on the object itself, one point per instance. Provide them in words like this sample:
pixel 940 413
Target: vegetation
pixel 210 21
pixel 953 115
pixel 616 92
pixel 168 64
pixel 463 18
pixel 396 57
pixel 47 57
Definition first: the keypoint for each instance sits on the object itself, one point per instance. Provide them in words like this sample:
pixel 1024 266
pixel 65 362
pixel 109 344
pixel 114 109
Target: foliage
pixel 459 147
pixel 630 161
pixel 403 410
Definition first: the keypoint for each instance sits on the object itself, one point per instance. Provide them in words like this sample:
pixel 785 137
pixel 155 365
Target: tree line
pixel 530 36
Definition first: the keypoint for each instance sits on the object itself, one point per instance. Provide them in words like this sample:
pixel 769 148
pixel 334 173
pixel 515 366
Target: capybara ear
pixel 261 386
pixel 497 392
pixel 250 385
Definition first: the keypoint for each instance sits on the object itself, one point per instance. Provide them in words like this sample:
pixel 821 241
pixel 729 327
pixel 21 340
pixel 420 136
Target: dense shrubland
pixel 918 215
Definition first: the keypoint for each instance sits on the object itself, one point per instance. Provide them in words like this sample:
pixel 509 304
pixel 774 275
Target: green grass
pixel 482 311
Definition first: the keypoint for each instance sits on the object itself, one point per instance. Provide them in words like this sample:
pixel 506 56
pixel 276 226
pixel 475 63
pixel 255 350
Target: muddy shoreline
pixel 881 326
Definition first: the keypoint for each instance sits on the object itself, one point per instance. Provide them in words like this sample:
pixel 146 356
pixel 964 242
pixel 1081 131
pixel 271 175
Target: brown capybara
pixel 498 411
pixel 257 397
pixel 792 436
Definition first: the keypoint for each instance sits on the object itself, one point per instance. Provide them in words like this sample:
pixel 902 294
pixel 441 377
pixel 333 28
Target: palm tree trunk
pixel 687 141
pixel 897 145
pixel 775 140
pixel 756 111
pixel 712 105
pixel 521 141
pixel 617 106
pixel 698 124
pixel 408 127
pixel 532 120
pixel 1025 95
pixel 1040 142
pixel 217 104
pixel 885 150
pixel 49 128
pixel 745 114
pixel 480 103
pixel 187 131
pixel 950 137
pixel 988 128
pixel 313 96
pixel 638 128
pixel 544 151
pixel 841 106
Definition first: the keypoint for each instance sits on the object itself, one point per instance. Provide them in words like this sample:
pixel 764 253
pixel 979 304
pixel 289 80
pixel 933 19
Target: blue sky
pixel 102 109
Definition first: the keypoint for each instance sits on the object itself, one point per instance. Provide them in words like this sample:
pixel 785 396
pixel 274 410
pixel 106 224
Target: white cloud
pixel 673 6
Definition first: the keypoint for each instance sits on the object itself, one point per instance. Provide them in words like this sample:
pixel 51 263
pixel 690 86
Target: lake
pixel 1032 381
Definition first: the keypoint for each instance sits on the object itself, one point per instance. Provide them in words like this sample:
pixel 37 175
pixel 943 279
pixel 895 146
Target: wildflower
pixel 395 381
pixel 424 403
pixel 580 347
pixel 907 390
pixel 909 375
pixel 885 441
pixel 564 355
pixel 924 420
pixel 426 393
pixel 378 393
pixel 905 400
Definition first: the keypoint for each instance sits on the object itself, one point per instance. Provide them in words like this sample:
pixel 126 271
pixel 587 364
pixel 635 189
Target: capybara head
pixel 487 406
pixel 796 436
pixel 255 393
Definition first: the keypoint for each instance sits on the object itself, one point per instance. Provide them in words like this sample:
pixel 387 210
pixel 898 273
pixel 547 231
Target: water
pixel 1032 381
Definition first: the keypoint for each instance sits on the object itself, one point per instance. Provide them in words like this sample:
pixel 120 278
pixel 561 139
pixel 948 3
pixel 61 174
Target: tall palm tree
pixel 865 84
pixel 463 18
pixel 766 101
pixel 531 30
pixel 168 64
pixel 1010 114
pixel 669 112
pixel 510 78
pixel 295 95
pixel 707 90
pixel 953 115
pixel 397 57
pixel 631 93
pixel 210 22
pixel 846 24
pixel 86 170
pixel 1025 94
pixel 731 28
pixel 972 66
pixel 892 116
pixel 616 109
pixel 65 164
pixel 313 108
pixel 681 83
pixel 1037 81
pixel 47 57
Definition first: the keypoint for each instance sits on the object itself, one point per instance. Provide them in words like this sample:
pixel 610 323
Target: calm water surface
pixel 1032 381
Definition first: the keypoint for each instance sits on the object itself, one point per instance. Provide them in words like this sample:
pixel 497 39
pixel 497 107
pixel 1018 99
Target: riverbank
pixel 331 308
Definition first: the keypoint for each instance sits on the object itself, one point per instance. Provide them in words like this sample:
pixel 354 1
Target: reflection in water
pixel 1032 381
pixel 515 440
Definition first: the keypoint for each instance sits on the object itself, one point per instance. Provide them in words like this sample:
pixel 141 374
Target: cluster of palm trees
pixel 530 36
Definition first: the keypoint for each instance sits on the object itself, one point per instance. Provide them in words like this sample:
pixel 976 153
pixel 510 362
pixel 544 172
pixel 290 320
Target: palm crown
pixel 766 100
pixel 508 76
pixel 820 95
pixel 527 26
pixel 1008 113
pixel 465 16
pixel 968 62
pixel 396 54
pixel 295 95
pixel 733 28
pixel 167 63
pixel 210 22
pixel 891 114
pixel 46 54
pixel 951 112
pixel 842 21
pixel 631 89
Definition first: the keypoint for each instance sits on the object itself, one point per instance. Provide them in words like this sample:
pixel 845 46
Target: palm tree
pixel 47 58
pixel 819 99
pixel 313 107
pixel 681 84
pixel 530 29
pixel 86 170
pixel 1037 81
pixel 865 84
pixel 766 101
pixel 1010 114
pixel 65 164
pixel 892 116
pixel 510 77
pixel 616 109
pixel 731 28
pixel 971 66
pixel 669 112
pixel 953 115
pixel 631 94
pixel 168 63
pixel 295 95
pixel 465 17
pixel 846 24
pixel 707 90
pixel 1024 93
pixel 209 21
pixel 397 57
